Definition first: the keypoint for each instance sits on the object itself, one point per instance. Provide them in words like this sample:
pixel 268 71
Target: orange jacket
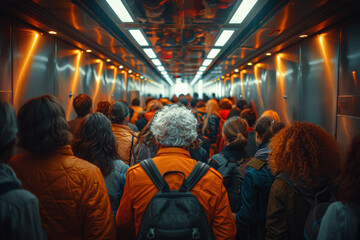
pixel 124 136
pixel 210 191
pixel 73 199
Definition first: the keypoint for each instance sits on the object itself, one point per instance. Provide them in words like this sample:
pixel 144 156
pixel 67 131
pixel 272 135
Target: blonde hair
pixel 271 113
pixel 236 131
pixel 212 106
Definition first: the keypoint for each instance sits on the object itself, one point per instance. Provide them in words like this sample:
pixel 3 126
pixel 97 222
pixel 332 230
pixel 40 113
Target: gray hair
pixel 174 126
pixel 8 127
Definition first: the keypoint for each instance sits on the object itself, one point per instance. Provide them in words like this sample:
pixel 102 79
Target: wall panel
pixel 5 59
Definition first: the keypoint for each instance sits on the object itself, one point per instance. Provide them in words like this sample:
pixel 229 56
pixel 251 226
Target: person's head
pixel 241 104
pixel 271 113
pixel 196 95
pixel 249 115
pixel 135 102
pixel 174 126
pixel 206 98
pixel 42 125
pixel 103 107
pixel 348 183
pixel 147 100
pixel 174 99
pixel 95 142
pixel 225 103
pixel 235 132
pixel 119 113
pixel 184 101
pixel 8 130
pixel 146 136
pixel 304 151
pixel 154 105
pixel 200 103
pixel 193 102
pixel 82 105
pixel 164 101
pixel 212 106
pixel 265 128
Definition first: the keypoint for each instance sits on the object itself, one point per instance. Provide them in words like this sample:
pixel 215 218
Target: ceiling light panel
pixel 242 11
pixel 156 62
pixel 213 53
pixel 150 52
pixel 202 69
pixel 139 37
pixel 120 10
pixel 161 68
pixel 224 38
pixel 206 62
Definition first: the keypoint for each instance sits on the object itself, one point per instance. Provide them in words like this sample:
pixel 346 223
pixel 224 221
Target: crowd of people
pixel 179 168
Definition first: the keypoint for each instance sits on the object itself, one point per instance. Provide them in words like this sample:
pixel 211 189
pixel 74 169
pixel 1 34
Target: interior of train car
pixel 299 58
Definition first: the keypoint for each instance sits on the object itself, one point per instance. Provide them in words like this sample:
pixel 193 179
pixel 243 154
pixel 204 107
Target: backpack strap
pixel 256 163
pixel 152 171
pixel 8 186
pixel 196 174
pixel 286 179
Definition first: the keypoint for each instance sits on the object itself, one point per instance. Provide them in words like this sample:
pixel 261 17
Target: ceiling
pixel 181 32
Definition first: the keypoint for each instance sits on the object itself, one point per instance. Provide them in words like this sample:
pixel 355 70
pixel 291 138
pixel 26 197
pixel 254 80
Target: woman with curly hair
pixel 95 142
pixel 309 157
pixel 342 218
pixel 257 182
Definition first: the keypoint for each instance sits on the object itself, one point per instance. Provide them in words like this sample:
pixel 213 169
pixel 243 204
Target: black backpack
pixel 318 206
pixel 232 179
pixel 174 214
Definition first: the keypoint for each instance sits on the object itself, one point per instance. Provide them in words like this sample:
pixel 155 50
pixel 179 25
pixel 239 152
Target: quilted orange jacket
pixel 73 199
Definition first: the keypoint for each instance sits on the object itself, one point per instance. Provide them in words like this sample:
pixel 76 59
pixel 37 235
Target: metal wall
pixel 36 63
pixel 315 80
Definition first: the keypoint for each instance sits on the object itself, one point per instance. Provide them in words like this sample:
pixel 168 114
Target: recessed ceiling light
pixel 130 71
pixel 121 66
pixel 224 38
pixel 249 63
pixel 108 60
pixel 139 37
pixel 156 62
pixel 120 10
pixel 161 68
pixel 89 50
pixel 303 36
pixel 236 70
pixel 52 32
pixel 141 77
pixel 202 68
pixel 206 62
pixel 242 11
pixel 268 54
pixel 150 52
pixel 213 53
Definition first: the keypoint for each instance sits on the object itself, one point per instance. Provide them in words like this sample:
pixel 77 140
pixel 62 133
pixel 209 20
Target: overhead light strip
pixel 150 52
pixel 213 53
pixel 242 11
pixel 120 10
pixel 224 38
pixel 206 62
pixel 139 37
pixel 156 62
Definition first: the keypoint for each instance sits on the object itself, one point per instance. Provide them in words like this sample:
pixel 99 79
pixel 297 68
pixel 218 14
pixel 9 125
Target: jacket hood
pixel 224 113
pixel 8 175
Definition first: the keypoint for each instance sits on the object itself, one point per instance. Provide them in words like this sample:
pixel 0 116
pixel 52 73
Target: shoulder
pixel 256 163
pixel 120 166
pixel 18 199
pixel 281 188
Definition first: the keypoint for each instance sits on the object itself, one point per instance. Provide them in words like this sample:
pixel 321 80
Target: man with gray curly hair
pixel 174 128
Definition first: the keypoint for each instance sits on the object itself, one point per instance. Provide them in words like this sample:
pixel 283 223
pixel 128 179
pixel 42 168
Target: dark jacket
pixel 213 125
pixel 254 195
pixel 251 147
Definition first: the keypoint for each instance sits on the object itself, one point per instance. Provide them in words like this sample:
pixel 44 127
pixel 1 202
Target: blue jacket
pixel 254 195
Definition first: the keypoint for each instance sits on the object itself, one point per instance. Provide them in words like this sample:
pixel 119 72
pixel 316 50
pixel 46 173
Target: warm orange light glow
pixel 121 66
pixel 355 79
pixel 73 17
pixel 98 36
pixel 98 80
pixel 125 84
pixel 303 36
pixel 25 65
pixel 108 60
pixel 257 81
pixel 74 83
pixel 236 70
pixel 113 85
pixel 242 83
pixel 130 71
pixel 280 81
pixel 88 50
pixel 268 54
pixel 52 32
pixel 249 64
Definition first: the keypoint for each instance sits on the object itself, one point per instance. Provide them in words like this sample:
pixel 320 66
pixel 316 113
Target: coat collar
pixel 173 151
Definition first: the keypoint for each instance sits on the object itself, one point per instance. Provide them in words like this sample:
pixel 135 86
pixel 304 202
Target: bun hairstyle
pixel 266 127
pixel 118 111
pixel 236 131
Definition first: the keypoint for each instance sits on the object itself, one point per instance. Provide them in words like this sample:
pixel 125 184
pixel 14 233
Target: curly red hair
pixel 304 151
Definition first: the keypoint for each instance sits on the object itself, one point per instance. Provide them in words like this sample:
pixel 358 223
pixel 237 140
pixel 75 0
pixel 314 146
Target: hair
pixel 154 105
pixel 266 127
pixel 200 103
pixel 95 142
pixel 193 102
pixel 118 112
pixel 196 95
pixel 82 104
pixel 305 152
pixel 236 132
pixel 42 125
pixel 135 102
pixel 271 113
pixel 242 104
pixel 212 106
pixel 184 101
pixel 147 100
pixel 164 101
pixel 103 107
pixel 174 99
pixel 225 103
pixel 348 182
pixel 249 115
pixel 8 127
pixel 174 126
pixel 146 136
